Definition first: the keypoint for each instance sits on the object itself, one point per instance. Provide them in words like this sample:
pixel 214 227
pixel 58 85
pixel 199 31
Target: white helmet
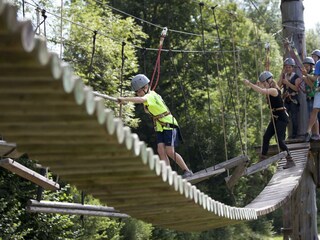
pixel 289 61
pixel 308 60
pixel 264 76
pixel 316 52
pixel 139 81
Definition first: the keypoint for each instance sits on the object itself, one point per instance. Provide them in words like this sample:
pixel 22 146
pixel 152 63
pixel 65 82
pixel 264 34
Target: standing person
pixel 279 120
pixel 290 82
pixel 311 85
pixel 165 124
pixel 316 104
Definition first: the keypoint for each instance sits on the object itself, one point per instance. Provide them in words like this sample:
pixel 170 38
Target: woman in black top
pixel 279 120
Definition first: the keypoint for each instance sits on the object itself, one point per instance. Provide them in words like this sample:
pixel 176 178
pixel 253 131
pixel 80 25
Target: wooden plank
pixel 43 209
pixel 73 209
pixel 28 174
pixel 264 164
pixel 9 150
pixel 226 164
pixel 199 177
pixel 238 172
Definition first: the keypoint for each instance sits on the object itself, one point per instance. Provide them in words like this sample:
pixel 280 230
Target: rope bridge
pixel 57 120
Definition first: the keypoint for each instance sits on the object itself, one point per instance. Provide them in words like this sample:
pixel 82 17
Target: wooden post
pixel 300 212
pixel 293 29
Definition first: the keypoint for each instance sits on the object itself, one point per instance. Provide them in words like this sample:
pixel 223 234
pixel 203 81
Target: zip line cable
pixel 206 65
pixel 147 22
pixel 119 41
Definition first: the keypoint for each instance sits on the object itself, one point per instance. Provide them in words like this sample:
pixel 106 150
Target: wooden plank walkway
pixel 283 183
pixel 59 121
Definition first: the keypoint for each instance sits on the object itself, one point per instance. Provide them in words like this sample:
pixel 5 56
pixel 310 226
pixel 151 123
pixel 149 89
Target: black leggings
pixel 281 133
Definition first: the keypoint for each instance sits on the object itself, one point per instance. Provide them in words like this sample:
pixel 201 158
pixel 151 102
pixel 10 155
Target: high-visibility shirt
pixel 156 106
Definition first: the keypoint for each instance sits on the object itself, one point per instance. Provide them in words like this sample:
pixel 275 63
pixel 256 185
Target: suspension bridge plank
pixel 9 150
pixel 28 174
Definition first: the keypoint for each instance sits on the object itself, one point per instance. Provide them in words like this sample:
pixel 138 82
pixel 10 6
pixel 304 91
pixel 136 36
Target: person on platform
pixel 279 119
pixel 316 104
pixel 311 86
pixel 290 82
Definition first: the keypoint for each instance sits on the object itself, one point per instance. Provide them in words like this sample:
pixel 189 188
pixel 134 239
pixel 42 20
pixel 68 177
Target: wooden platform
pixel 283 183
pixel 58 121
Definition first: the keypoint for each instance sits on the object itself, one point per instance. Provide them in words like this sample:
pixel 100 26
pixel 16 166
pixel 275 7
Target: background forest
pixel 209 50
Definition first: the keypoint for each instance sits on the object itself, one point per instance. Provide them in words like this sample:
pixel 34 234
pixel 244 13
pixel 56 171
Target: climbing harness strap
pixel 161 115
pixel 278 109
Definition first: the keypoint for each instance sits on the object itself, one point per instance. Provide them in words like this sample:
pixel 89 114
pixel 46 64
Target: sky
pixel 311 13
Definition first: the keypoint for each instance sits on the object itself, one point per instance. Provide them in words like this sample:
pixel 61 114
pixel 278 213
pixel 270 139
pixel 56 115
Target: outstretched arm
pixel 132 99
pixel 267 91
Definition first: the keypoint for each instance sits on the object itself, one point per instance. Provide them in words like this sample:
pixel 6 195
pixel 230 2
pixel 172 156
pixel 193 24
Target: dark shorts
pixel 168 137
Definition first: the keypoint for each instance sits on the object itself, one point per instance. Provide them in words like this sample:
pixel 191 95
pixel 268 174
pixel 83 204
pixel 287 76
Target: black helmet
pixel 264 76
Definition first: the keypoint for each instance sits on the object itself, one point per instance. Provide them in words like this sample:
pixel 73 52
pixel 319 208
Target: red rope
pixel 157 65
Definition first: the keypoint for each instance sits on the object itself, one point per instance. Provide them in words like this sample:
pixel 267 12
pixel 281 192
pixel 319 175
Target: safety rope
pixel 228 81
pixel 273 122
pixel 201 4
pixel 121 76
pixel 93 50
pixel 222 97
pixel 157 65
pixel 190 119
pixel 23 9
pixel 267 67
pixel 291 50
pixel 43 14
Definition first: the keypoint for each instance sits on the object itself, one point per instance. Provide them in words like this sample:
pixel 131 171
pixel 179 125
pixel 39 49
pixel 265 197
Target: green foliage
pixel 136 230
pixel 312 39
pixel 16 223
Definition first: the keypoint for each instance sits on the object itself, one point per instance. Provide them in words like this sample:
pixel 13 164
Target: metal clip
pixel 164 32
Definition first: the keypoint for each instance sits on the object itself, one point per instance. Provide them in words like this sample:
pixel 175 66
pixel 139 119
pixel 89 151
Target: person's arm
pixel 308 81
pixel 266 91
pixel 132 99
pixel 308 77
pixel 295 86
pixel 280 82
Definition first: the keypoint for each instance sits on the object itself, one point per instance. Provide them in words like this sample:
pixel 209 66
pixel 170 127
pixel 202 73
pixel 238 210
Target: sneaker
pixel 187 173
pixel 315 137
pixel 307 137
pixel 290 163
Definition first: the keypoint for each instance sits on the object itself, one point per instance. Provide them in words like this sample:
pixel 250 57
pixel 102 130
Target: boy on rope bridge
pixel 316 104
pixel 166 126
pixel 279 116
pixel 290 81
